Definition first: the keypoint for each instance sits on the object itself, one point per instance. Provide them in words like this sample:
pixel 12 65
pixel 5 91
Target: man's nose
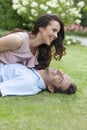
pixel 60 72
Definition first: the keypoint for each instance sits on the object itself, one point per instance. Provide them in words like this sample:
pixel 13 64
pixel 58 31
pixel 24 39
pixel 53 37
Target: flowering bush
pixel 71 40
pixel 30 10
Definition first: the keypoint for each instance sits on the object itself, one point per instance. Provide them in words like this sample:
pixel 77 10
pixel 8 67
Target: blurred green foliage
pixel 9 19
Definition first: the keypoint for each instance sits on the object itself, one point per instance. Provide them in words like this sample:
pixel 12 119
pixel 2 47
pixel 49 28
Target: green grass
pixel 46 111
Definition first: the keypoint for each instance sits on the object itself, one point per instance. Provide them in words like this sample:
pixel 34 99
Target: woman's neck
pixel 35 41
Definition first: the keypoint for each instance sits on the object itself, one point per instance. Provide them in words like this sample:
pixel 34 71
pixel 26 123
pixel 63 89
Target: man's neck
pixel 44 75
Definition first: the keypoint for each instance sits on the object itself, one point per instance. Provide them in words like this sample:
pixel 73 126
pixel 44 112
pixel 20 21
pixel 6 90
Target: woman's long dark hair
pixel 56 49
pixel 45 51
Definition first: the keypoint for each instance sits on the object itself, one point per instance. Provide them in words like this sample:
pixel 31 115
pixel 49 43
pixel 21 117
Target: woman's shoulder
pixel 23 34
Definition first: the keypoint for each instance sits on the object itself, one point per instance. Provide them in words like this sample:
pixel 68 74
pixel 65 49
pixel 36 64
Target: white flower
pixel 74 40
pixel 44 7
pixel 25 2
pixel 15 1
pixel 16 6
pixel 74 12
pixel 31 18
pixel 55 1
pixel 49 3
pixel 71 2
pixel 62 14
pixel 68 42
pixel 34 4
pixel 52 4
pixel 81 4
pixel 79 15
pixel 49 12
pixel 77 21
pixel 21 10
pixel 33 11
pixel 24 24
pixel 67 4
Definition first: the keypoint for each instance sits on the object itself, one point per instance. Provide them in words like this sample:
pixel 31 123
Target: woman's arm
pixel 10 42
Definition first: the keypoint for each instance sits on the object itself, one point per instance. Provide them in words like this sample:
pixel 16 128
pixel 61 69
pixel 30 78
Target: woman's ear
pixel 41 29
pixel 51 89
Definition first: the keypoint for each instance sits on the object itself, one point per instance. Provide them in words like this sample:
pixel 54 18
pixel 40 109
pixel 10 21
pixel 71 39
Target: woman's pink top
pixel 22 55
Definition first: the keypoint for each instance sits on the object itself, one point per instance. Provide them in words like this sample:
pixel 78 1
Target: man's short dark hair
pixel 71 90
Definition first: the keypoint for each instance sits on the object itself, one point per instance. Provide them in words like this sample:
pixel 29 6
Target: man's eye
pixel 61 79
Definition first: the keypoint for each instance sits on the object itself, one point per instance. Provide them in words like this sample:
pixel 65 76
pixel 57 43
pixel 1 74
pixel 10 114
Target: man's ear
pixel 51 89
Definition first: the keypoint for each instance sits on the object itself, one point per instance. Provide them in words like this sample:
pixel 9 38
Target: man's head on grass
pixel 59 82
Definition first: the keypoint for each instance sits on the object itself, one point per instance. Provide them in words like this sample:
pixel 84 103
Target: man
pixel 16 79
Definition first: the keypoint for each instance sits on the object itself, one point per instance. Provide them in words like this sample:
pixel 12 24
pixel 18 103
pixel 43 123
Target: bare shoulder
pixel 14 37
pixel 11 42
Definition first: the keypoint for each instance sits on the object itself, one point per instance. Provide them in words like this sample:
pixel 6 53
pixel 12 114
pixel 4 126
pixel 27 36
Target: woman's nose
pixel 55 35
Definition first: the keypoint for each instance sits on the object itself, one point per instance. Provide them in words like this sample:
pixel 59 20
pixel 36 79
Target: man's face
pixel 59 79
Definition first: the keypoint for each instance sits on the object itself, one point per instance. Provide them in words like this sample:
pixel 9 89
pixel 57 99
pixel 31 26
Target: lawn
pixel 46 111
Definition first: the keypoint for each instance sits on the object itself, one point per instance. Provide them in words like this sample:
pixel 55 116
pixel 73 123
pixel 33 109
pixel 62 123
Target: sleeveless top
pixel 22 55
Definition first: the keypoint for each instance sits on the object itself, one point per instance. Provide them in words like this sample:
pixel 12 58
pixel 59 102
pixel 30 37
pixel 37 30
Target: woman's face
pixel 49 33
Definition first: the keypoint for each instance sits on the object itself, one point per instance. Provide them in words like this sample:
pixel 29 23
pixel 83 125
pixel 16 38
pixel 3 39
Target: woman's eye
pixel 54 30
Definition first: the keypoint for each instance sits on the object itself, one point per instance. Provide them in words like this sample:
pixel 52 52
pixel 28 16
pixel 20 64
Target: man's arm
pixel 15 86
pixel 20 86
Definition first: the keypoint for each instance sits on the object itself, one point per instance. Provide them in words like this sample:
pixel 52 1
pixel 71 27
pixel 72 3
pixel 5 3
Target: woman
pixel 34 49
